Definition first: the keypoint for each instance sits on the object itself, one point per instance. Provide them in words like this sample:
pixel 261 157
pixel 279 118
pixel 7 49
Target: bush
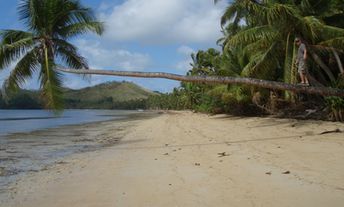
pixel 335 106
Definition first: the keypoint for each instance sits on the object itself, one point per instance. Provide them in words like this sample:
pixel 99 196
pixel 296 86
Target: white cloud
pixel 185 50
pixel 100 57
pixel 184 64
pixel 165 21
pixel 119 59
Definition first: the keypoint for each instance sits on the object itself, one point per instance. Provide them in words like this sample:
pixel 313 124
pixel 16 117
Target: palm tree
pixel 50 25
pixel 269 30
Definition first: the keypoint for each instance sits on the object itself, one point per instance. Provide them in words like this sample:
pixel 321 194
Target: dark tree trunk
pixel 323 66
pixel 339 62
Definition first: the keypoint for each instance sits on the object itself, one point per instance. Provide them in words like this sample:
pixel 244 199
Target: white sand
pixel 173 160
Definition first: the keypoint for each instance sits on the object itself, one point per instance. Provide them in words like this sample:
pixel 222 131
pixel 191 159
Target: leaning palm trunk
pixel 323 66
pixel 339 62
pixel 215 80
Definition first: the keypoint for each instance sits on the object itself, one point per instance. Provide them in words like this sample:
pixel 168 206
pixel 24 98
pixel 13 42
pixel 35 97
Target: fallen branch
pixel 331 131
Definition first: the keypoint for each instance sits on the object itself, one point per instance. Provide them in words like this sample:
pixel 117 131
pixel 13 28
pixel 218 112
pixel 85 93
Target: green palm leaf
pixel 264 64
pixel 13 45
pixel 334 43
pixel 81 28
pixel 23 70
pixel 254 34
pixel 30 12
pixel 69 55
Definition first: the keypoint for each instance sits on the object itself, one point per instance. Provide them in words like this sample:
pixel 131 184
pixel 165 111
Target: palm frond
pixel 81 28
pixel 230 65
pixel 13 45
pixel 23 70
pixel 234 13
pixel 248 70
pixel 263 65
pixel 280 13
pixel 272 13
pixel 73 13
pixel 254 34
pixel 329 32
pixel 69 55
pixel 337 43
pixel 257 46
pixel 30 12
pixel 310 28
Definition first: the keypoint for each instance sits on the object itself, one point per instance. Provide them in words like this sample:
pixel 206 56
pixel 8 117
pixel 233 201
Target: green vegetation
pixel 111 95
pixel 24 99
pixel 335 106
pixel 258 42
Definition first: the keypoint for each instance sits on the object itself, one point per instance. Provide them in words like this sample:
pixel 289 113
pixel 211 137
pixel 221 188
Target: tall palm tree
pixel 268 36
pixel 50 25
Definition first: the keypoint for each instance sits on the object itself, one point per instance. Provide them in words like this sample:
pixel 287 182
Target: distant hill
pixel 110 95
pixel 24 99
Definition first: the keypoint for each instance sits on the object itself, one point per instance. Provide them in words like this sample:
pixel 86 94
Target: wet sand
pixel 187 159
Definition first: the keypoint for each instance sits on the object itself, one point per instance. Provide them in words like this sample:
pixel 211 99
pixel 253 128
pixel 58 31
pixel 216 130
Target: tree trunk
pixel 215 80
pixel 340 65
pixel 322 65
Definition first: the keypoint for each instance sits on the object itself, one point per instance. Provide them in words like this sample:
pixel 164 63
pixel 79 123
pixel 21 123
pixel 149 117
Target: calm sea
pixel 13 121
pixel 31 140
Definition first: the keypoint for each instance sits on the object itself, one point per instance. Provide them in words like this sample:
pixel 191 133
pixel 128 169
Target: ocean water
pixel 13 121
pixel 31 140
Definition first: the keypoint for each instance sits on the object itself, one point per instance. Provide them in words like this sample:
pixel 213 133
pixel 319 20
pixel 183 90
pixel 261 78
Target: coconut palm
pixel 50 25
pixel 268 39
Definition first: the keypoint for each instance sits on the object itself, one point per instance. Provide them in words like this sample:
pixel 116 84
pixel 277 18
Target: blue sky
pixel 140 35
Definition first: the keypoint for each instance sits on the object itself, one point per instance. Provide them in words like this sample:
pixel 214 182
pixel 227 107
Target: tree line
pixel 258 42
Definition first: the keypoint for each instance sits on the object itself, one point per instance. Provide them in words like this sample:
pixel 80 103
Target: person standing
pixel 301 61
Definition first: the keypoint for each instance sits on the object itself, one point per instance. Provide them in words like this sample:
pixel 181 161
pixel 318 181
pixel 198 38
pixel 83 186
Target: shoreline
pixel 57 143
pixel 48 115
pixel 187 159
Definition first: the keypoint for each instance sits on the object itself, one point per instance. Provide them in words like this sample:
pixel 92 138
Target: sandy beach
pixel 188 159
